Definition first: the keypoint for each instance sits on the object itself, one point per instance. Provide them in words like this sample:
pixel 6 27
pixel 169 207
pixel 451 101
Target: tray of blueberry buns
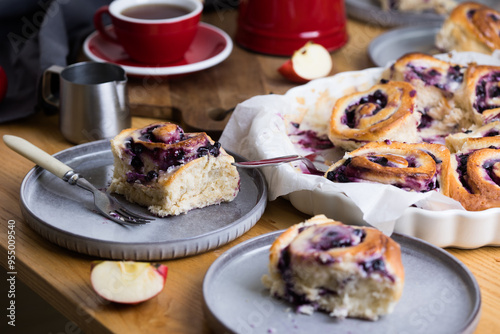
pixel 413 147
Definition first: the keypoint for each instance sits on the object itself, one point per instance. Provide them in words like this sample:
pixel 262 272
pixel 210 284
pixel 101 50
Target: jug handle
pixel 47 94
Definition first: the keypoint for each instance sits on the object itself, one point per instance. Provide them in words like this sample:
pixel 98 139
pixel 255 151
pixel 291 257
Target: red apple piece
pixel 128 282
pixel 312 61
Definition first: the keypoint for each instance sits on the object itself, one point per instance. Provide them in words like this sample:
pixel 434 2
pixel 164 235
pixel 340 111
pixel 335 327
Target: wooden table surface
pixel 62 277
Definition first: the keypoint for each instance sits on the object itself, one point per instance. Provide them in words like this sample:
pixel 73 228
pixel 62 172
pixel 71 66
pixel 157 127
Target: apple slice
pixel 312 61
pixel 128 282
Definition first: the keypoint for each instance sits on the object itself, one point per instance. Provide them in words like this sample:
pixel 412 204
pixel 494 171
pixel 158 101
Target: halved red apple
pixel 128 282
pixel 312 61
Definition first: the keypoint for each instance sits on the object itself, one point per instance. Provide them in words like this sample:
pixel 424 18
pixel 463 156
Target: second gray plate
pixel 440 295
pixel 398 42
pixel 65 214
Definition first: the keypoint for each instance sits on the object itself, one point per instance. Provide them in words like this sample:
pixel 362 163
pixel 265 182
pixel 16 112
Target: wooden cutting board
pixel 199 101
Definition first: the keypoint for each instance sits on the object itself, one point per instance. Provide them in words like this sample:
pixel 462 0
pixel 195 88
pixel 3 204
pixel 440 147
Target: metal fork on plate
pixel 279 160
pixel 104 203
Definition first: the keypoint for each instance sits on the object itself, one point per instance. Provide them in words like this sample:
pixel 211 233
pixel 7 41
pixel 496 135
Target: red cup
pixel 151 41
pixel 280 27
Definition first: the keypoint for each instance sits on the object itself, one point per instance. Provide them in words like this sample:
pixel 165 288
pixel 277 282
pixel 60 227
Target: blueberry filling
pixel 490 170
pixel 471 13
pixel 151 175
pixel 462 170
pixel 376 265
pixel 430 76
pixel 456 73
pixel 209 149
pixel 352 113
pixel 348 173
pixel 339 174
pixel 288 277
pixel 331 237
pixel 164 159
pixel 488 166
pixel 491 133
pixel 312 140
pixel 487 88
pixel 383 161
pixel 338 237
pixel 425 122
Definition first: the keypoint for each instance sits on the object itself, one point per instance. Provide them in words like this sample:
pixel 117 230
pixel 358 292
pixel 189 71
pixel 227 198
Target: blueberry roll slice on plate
pixel 385 111
pixel 346 271
pixel 475 174
pixel 480 95
pixel 470 27
pixel 411 167
pixel 170 171
pixel 436 82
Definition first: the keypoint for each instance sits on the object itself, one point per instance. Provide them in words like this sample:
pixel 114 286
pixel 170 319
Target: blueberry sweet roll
pixel 480 94
pixel 347 271
pixel 455 141
pixel 436 82
pixel 385 111
pixel 170 171
pixel 470 27
pixel 423 70
pixel 412 167
pixel 475 174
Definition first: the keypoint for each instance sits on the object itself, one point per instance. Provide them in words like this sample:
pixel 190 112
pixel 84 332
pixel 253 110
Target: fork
pixel 280 160
pixel 105 204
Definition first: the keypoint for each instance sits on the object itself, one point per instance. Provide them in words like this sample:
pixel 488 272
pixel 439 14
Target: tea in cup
pixel 151 31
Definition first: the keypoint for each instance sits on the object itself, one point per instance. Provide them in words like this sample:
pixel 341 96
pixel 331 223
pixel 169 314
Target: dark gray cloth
pixel 36 34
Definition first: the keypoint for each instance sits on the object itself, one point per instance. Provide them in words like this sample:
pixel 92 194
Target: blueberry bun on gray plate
pixel 170 171
pixel 345 271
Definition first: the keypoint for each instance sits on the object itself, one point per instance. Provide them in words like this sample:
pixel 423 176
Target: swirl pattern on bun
pixel 412 167
pixel 480 95
pixel 436 82
pixel 475 174
pixel 383 112
pixel 347 271
pixel 170 171
pixel 470 27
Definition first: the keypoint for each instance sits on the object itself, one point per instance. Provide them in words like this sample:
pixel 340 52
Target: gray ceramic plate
pixel 371 12
pixel 398 42
pixel 65 214
pixel 440 295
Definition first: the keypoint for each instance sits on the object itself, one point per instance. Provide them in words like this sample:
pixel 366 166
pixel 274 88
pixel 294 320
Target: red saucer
pixel 211 46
